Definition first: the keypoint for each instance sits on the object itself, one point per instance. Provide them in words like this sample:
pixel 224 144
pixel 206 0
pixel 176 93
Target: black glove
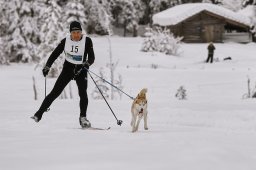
pixel 45 70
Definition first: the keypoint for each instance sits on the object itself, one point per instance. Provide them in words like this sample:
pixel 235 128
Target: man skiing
pixel 76 47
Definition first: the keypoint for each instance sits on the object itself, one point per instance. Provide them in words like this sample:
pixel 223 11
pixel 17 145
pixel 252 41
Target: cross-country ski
pixel 96 128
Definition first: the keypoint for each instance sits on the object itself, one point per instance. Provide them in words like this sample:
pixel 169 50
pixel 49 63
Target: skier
pixel 211 49
pixel 76 47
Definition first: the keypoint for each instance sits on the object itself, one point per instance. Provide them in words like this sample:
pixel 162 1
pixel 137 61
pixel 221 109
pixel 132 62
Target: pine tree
pixel 128 15
pixel 106 18
pixel 161 40
pixel 252 5
pixel 4 32
pixel 21 32
pixel 160 5
pixel 181 93
pixel 124 14
pixel 212 1
pixel 52 31
pixel 149 44
pixel 249 2
pixel 233 5
pixel 4 23
pixel 3 59
pixel 167 43
pixel 115 9
pixel 74 11
pixel 133 26
pixel 10 13
pixel 98 17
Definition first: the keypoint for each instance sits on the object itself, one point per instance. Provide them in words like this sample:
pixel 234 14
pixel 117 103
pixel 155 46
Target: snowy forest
pixel 31 29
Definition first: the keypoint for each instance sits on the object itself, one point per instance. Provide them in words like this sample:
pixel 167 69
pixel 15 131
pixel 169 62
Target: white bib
pixel 74 50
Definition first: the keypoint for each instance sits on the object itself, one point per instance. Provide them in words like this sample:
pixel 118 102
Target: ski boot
pixel 36 119
pixel 84 122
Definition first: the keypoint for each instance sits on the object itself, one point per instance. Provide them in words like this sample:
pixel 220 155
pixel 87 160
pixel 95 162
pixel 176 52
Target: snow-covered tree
pixel 212 1
pixel 74 11
pixel 181 93
pixel 3 32
pixel 249 2
pixel 98 18
pixel 252 16
pixel 161 40
pixel 4 22
pixel 128 16
pixel 115 9
pixel 160 5
pixel 250 12
pixel 106 17
pixel 3 59
pixel 233 5
pixel 20 29
pixel 52 31
pixel 188 1
pixel 167 43
pixel 124 14
pixel 133 26
pixel 150 41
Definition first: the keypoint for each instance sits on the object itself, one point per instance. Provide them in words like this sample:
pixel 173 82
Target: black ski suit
pixel 67 74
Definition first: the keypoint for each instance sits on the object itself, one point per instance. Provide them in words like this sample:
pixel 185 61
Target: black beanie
pixel 74 26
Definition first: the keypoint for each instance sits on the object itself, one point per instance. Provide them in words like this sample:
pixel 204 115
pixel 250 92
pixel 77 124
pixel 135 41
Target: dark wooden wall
pixel 201 28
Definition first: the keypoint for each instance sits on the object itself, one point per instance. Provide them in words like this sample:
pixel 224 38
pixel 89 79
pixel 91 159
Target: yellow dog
pixel 139 110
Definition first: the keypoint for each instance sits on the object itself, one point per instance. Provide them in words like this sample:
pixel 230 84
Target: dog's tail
pixel 144 91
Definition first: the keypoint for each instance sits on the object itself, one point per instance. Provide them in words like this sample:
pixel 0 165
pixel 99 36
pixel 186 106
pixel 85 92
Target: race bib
pixel 74 50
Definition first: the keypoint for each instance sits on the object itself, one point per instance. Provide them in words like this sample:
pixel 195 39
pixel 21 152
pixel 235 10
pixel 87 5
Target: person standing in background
pixel 211 49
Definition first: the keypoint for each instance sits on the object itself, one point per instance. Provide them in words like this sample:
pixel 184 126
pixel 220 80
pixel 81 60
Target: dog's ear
pixel 143 95
pixel 144 91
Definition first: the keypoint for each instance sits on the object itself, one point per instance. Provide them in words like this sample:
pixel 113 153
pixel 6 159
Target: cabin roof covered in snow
pixel 179 13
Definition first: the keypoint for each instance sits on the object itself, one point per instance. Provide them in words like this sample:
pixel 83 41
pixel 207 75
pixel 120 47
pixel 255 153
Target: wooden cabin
pixel 200 23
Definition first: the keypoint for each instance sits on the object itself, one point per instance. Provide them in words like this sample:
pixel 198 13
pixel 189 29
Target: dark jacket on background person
pixel 211 49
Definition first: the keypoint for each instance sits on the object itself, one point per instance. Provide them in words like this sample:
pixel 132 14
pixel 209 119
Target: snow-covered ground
pixel 214 129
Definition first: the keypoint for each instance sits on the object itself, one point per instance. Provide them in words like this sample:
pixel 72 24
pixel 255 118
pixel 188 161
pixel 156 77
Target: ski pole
pixel 110 84
pixel 45 87
pixel 119 122
pixel 45 93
